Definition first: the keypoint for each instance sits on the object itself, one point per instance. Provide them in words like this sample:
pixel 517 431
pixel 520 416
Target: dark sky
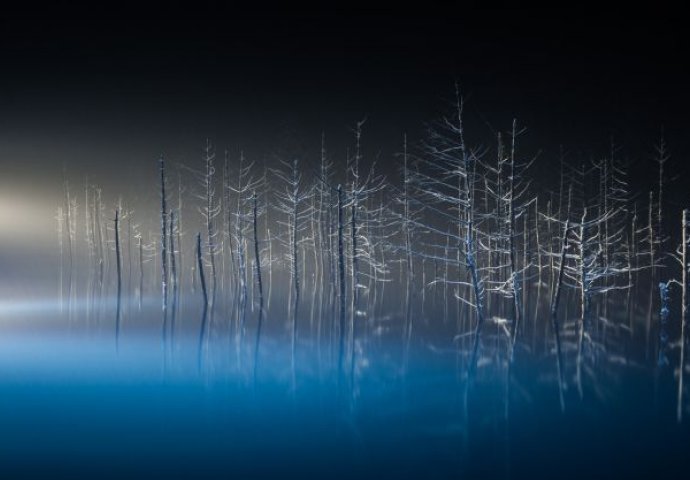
pixel 579 74
pixel 98 88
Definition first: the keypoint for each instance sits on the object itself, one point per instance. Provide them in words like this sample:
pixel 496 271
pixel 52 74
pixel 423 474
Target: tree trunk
pixel 202 281
pixel 119 278
pixel 257 262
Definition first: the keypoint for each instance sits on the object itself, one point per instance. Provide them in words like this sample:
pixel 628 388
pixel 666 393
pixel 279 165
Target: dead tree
pixel 661 158
pixel 118 263
pixel 515 274
pixel 445 187
pixel 590 274
pixel 210 211
pixel 140 248
pixel 325 232
pixel 60 217
pixel 652 243
pixel 555 301
pixel 260 285
pixel 178 221
pixel 664 347
pixel 242 221
pixel 68 229
pixel 664 314
pixel 341 282
pixel 202 282
pixel 164 245
pixel 293 202
pixel 362 258
pixel 174 280
pixel 407 233
pixel 229 213
pixel 684 312
pixel 407 217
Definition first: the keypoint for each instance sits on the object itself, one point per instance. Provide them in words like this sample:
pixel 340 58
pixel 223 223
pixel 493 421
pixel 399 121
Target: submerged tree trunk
pixel 684 315
pixel 584 305
pixel 61 246
pixel 354 305
pixel 540 266
pixel 68 231
pixel 407 331
pixel 242 297
pixel 141 270
pixel 295 266
pixel 341 283
pixel 210 210
pixel 664 314
pixel 202 282
pixel 514 271
pixel 180 267
pixel 173 277
pixel 257 262
pixel 119 278
pixel 164 243
pixel 554 313
pixel 652 265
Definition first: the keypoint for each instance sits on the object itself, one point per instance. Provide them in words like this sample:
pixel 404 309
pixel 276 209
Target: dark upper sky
pixel 94 85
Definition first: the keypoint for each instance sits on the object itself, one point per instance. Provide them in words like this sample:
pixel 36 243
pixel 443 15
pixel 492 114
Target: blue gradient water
pixel 71 405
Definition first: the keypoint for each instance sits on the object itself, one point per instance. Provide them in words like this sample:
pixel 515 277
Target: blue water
pixel 73 406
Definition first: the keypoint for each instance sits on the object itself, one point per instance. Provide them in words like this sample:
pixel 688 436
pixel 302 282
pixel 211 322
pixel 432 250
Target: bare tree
pixel 210 211
pixel 174 279
pixel 684 312
pixel 555 301
pixel 257 262
pixel 592 275
pixel 293 202
pixel 341 281
pixel 362 259
pixel 202 282
pixel 164 245
pixel 242 221
pixel 118 263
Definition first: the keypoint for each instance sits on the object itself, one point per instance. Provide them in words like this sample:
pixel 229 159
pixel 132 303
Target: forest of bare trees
pixel 457 253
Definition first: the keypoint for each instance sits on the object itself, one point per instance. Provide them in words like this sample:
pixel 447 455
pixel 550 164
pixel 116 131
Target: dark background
pixel 102 91
pixel 150 76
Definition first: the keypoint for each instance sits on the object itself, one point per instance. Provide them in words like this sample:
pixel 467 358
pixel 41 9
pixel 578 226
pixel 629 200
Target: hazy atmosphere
pixel 374 242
